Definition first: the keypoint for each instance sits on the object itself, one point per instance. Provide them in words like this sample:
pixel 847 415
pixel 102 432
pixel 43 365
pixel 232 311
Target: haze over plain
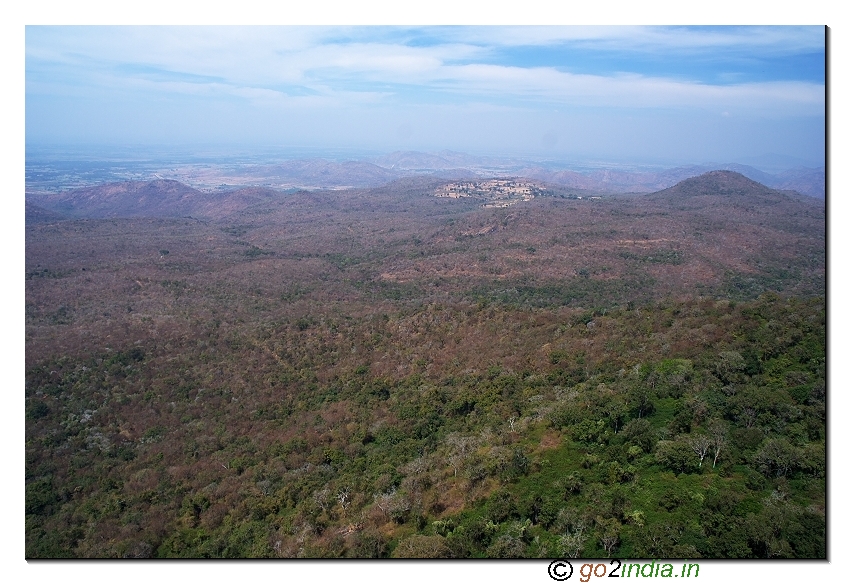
pixel 661 95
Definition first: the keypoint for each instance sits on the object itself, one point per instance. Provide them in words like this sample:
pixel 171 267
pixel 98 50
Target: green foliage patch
pixel 591 449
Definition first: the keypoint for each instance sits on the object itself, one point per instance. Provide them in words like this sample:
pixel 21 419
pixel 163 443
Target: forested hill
pixel 678 430
pixel 388 373
pixel 156 198
pixel 715 186
pixel 170 198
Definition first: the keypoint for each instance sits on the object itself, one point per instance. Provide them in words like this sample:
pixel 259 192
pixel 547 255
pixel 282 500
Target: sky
pixel 615 93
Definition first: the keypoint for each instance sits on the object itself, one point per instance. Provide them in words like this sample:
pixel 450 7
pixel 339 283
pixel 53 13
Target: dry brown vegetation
pixel 383 372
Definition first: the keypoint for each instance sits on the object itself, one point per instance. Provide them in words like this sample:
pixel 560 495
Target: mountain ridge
pixel 152 198
pixel 319 172
pixel 171 198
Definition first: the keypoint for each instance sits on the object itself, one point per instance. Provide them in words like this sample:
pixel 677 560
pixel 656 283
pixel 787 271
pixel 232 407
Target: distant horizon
pixel 61 169
pixel 664 95
pixel 186 153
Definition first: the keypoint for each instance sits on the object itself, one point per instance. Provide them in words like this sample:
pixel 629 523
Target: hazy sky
pixel 677 94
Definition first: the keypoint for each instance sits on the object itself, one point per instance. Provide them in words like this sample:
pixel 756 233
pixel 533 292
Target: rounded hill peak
pixel 725 189
pixel 719 182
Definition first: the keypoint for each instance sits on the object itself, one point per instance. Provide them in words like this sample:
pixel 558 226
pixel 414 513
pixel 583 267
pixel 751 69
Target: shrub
pixel 422 547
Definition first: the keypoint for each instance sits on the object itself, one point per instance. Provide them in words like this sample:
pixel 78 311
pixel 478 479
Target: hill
pixel 155 198
pixel 808 181
pixel 37 214
pixel 385 372
pixel 719 232
pixel 123 199
pixel 52 176
pixel 722 184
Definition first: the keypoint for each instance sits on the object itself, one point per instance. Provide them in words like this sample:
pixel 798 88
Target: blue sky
pixel 651 94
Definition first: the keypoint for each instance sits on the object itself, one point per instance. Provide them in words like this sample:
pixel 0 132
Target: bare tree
pixel 460 446
pixel 322 499
pixel 344 499
pixel 701 444
pixel 748 416
pixel 416 473
pixel 384 501
pixel 717 430
pixel 572 543
pixel 610 533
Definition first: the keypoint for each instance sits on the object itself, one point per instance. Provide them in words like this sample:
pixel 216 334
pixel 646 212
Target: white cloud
pixel 450 87
pixel 753 39
pixel 261 62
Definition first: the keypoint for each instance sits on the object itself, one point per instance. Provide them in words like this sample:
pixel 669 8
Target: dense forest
pixel 382 373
